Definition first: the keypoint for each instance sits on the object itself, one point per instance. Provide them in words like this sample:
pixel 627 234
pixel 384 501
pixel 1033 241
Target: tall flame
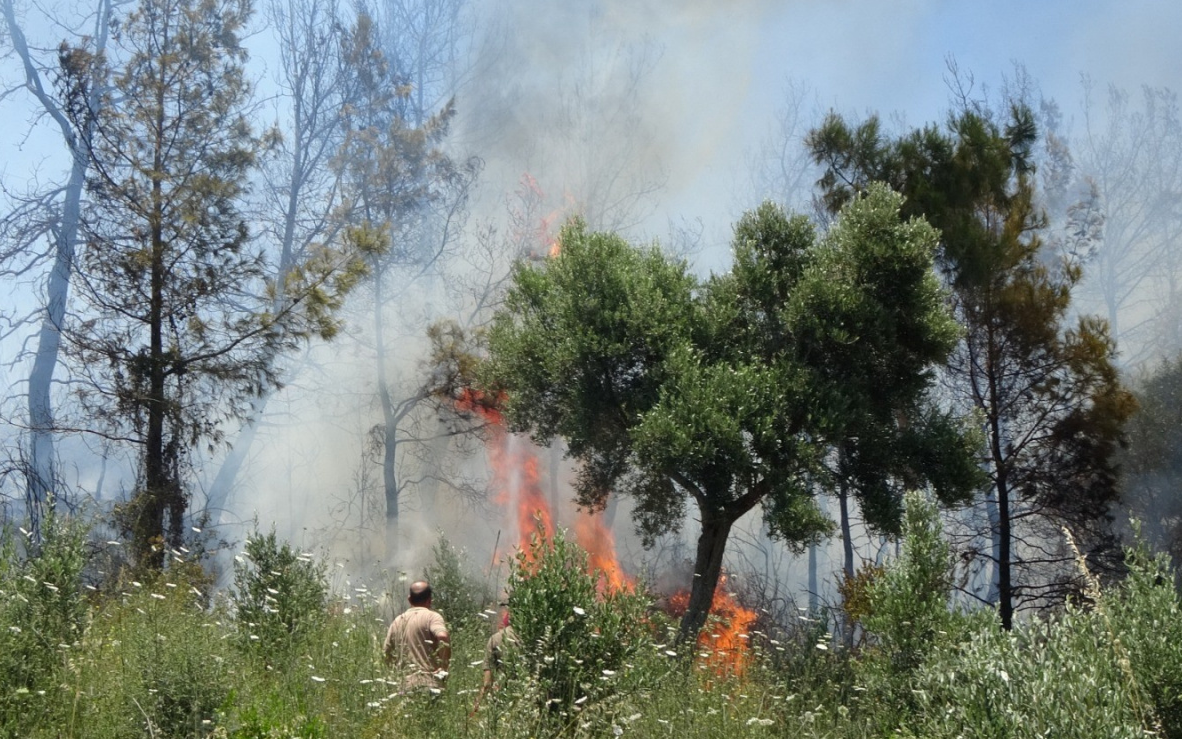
pixel 593 535
pixel 725 640
pixel 516 483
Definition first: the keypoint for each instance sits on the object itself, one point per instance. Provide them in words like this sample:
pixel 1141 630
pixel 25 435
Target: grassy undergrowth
pixel 159 658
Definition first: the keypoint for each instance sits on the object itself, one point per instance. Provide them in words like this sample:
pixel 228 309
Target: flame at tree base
pixel 725 641
pixel 517 488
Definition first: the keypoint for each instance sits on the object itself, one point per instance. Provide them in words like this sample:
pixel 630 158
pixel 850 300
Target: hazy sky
pixel 555 98
pixel 865 56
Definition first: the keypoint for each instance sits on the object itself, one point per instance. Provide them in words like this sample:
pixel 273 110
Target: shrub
pixel 575 639
pixel 280 595
pixel 156 664
pixel 908 611
pixel 42 614
pixel 456 594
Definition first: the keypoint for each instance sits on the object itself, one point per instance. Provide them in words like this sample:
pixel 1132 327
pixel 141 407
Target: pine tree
pixel 1048 392
pixel 175 333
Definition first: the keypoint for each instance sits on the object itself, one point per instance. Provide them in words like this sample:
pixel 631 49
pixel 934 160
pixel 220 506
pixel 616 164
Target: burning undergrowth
pixel 520 498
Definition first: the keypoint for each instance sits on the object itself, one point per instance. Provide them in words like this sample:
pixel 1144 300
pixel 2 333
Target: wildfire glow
pixel 726 636
pixel 593 535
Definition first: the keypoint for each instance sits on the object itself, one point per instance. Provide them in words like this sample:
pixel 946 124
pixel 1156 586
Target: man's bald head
pixel 420 593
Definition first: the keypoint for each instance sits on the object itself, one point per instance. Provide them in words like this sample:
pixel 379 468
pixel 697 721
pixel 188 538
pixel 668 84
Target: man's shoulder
pixel 503 636
pixel 421 615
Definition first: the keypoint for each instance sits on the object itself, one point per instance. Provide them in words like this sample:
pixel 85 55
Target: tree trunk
pixel 152 499
pixel 997 433
pixel 814 585
pixel 223 481
pixel 993 527
pixel 1005 588
pixel 707 570
pixel 847 539
pixel 389 427
pixel 40 473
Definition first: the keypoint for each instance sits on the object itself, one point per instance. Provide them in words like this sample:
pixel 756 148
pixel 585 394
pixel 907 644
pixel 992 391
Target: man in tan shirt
pixel 418 644
pixel 500 645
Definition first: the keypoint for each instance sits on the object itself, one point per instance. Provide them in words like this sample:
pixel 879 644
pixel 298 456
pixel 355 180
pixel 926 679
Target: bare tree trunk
pixel 40 473
pixel 707 570
pixel 814 585
pixel 847 539
pixel 389 424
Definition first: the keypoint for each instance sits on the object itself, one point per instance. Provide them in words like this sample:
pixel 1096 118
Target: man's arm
pixel 443 651
pixel 388 646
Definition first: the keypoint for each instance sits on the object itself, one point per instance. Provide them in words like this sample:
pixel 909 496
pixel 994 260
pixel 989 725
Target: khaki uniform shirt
pixel 410 645
pixel 498 644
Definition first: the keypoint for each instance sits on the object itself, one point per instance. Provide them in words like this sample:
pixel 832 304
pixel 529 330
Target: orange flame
pixel 725 640
pixel 516 481
pixel 516 486
pixel 593 535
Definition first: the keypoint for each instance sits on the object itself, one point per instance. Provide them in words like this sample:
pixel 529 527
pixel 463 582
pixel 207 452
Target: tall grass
pixel 161 658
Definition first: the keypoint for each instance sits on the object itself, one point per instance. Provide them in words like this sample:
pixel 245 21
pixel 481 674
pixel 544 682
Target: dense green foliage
pixel 573 634
pixel 731 392
pixel 279 595
pixel 1043 382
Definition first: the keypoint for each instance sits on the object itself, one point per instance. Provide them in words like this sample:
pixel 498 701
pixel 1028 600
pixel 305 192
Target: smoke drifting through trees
pixel 616 110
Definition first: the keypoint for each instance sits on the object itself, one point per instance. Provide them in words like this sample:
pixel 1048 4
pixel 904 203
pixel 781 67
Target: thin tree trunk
pixel 223 481
pixel 41 475
pixel 814 586
pixel 993 527
pixel 389 427
pixel 149 534
pixel 1005 588
pixel 1005 591
pixel 847 539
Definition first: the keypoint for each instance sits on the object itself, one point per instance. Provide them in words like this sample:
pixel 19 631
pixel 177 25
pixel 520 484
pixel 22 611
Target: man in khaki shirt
pixel 500 645
pixel 418 644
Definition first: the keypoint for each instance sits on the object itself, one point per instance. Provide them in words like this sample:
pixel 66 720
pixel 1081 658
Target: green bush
pixel 908 612
pixel 576 641
pixel 42 616
pixel 1145 621
pixel 456 593
pixel 279 595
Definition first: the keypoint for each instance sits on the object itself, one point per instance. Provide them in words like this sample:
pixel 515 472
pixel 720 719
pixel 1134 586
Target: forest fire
pixel 725 640
pixel 516 482
pixel 517 489
pixel 593 535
